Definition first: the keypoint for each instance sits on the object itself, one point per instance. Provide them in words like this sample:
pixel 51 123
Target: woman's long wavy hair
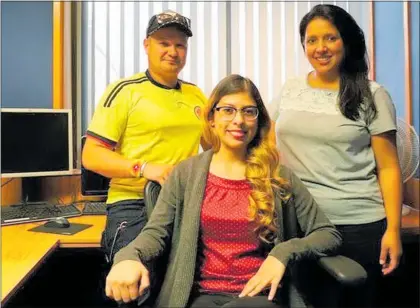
pixel 263 161
pixel 354 94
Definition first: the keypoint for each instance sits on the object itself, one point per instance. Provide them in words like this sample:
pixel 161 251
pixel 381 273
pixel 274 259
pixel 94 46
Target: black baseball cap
pixel 169 18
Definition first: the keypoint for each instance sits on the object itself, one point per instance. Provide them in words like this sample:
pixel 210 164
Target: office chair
pixel 151 193
pixel 345 271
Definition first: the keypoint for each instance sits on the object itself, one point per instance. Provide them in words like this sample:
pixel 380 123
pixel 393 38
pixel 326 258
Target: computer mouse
pixel 58 222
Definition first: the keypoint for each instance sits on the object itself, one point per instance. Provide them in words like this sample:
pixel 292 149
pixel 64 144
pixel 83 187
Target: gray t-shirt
pixel 331 154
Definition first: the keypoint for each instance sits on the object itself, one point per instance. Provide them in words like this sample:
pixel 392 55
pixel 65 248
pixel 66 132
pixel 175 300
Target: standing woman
pixel 337 131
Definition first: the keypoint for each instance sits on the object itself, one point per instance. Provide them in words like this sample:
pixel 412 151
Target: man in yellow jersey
pixel 142 127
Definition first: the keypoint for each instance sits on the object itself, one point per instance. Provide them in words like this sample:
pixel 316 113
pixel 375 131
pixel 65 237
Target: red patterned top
pixel 230 247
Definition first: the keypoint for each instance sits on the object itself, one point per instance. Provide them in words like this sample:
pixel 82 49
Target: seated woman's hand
pixel 270 274
pixel 122 282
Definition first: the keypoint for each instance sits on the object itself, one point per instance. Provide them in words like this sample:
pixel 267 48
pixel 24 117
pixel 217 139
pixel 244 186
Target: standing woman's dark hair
pixel 355 94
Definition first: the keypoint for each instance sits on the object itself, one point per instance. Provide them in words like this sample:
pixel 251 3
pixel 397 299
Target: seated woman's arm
pixel 129 278
pixel 320 236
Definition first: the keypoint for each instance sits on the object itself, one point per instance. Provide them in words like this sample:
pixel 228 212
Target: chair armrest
pixel 143 298
pixel 344 270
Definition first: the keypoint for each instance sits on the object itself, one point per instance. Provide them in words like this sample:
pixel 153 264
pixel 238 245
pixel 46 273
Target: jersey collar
pixel 177 86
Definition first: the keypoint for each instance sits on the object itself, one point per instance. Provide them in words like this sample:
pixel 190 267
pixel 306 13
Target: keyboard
pixel 24 213
pixel 94 208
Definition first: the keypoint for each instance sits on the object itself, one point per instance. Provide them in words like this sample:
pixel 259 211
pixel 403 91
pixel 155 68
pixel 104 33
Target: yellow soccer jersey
pixel 145 120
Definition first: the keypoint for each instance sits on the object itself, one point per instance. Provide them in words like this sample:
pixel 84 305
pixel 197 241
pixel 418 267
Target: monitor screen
pixel 36 142
pixel 93 184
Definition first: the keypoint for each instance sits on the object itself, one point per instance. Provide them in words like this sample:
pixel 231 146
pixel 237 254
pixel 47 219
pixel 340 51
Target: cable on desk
pixel 7 182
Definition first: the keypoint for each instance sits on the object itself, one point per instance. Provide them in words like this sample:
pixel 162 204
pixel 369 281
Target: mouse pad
pixel 73 229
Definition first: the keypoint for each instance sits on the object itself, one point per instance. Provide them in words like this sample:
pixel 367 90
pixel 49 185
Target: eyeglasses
pixel 229 113
pixel 168 16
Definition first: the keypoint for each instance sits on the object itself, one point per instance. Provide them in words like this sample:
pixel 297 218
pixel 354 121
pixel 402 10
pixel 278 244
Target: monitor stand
pixel 31 190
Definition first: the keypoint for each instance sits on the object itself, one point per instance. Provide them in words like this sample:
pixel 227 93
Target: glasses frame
pixel 230 118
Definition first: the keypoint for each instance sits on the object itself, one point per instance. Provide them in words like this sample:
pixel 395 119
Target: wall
pixel 26 66
pixel 415 54
pixel 390 58
pixel 389 51
pixel 413 187
pixel 26 54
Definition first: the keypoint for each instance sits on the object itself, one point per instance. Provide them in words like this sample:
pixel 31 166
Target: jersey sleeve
pixel 110 117
pixel 385 119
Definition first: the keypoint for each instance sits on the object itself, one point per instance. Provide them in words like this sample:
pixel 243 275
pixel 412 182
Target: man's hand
pixel 270 274
pixel 157 172
pixel 122 282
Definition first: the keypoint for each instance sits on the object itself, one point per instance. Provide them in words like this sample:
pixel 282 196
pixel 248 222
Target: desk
pixel 410 230
pixel 23 251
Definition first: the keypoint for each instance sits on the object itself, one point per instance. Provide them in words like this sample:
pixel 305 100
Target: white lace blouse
pixel 330 153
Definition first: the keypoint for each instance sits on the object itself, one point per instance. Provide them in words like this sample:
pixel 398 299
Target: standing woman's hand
pixel 391 251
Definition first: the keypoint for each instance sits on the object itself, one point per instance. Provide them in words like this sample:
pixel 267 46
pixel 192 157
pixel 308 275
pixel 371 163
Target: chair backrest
pixel 290 222
pixel 151 194
pixel 92 183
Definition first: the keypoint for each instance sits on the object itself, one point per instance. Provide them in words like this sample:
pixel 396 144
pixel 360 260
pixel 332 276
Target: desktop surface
pixel 24 251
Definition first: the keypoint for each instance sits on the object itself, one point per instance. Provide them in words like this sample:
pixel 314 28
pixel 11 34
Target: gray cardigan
pixel 176 221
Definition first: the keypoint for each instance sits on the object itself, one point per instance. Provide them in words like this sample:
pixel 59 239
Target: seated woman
pixel 221 214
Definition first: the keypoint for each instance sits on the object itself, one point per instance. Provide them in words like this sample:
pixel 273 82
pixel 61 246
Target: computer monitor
pixel 93 184
pixel 36 142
